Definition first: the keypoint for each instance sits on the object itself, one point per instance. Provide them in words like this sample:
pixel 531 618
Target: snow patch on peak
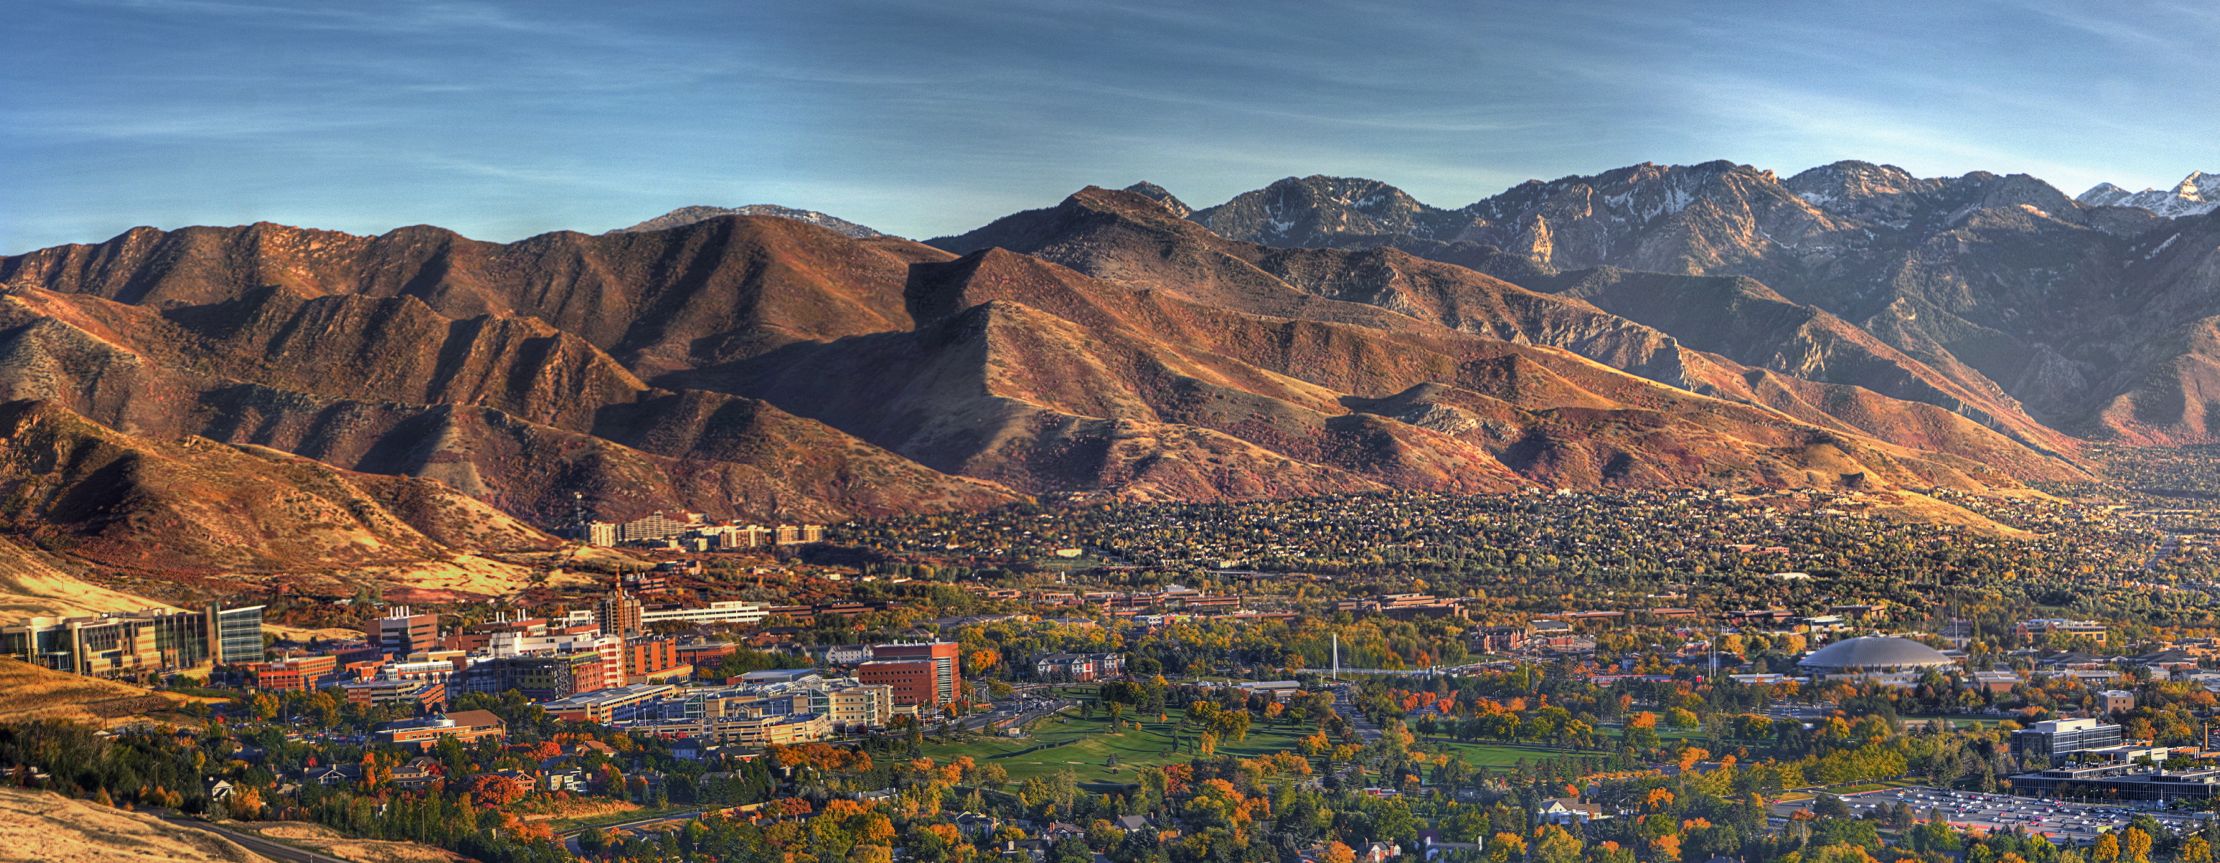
pixel 2195 195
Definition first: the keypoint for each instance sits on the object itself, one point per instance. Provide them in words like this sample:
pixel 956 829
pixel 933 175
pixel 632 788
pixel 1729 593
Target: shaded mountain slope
pixel 195 506
pixel 1121 238
pixel 1023 358
pixel 2012 302
pixel 506 409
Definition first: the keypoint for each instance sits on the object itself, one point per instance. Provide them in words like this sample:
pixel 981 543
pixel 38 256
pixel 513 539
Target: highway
pixel 273 850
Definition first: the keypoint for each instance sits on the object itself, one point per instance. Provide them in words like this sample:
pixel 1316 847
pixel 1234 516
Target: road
pixel 1346 705
pixel 1019 712
pixel 273 850
pixel 2165 549
pixel 570 839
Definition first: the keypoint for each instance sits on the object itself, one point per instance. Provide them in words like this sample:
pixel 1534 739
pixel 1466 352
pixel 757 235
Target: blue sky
pixel 922 118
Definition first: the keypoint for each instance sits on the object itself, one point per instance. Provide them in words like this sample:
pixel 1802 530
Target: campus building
pixel 650 660
pixel 414 695
pixel 543 677
pixel 602 706
pixel 138 642
pixel 859 707
pixel 2053 742
pixel 1874 658
pixel 729 612
pixel 401 633
pixel 619 613
pixel 293 673
pixel 780 706
pixel 692 532
pixel 925 674
pixel 468 726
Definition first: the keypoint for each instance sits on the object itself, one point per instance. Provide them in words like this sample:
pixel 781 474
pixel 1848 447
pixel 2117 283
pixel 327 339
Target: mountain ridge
pixel 698 212
pixel 1712 325
pixel 2021 298
pixel 2196 195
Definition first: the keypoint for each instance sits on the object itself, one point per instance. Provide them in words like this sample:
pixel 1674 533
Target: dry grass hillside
pixel 185 520
pixel 49 828
pixel 36 584
pixel 324 840
pixel 28 692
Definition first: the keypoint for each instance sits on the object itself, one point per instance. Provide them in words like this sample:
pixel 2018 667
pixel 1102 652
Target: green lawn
pixel 1500 755
pixel 1083 746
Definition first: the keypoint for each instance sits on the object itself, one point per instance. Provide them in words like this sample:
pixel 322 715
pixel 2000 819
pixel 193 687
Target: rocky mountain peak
pixel 1850 180
pixel 2196 194
pixel 1315 210
pixel 689 215
pixel 1163 196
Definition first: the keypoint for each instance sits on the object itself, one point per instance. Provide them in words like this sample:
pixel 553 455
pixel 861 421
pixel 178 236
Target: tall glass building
pixel 236 634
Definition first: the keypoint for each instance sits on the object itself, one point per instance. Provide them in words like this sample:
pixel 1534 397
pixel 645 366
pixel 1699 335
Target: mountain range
pixel 2089 319
pixel 421 393
pixel 2195 195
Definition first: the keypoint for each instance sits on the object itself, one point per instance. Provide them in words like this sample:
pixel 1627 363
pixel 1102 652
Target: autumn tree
pixel 2135 846
pixel 1555 845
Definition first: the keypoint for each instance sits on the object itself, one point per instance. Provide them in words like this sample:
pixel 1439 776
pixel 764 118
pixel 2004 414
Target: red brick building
pixel 701 654
pixel 296 674
pixel 646 656
pixel 927 674
pixel 402 633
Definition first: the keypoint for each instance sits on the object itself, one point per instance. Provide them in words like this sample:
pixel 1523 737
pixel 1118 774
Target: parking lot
pixel 2063 822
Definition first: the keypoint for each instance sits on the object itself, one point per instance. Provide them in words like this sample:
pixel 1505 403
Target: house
pixel 420 772
pixel 566 778
pixel 1568 812
pixel 1432 846
pixel 1057 831
pixel 585 746
pixel 219 790
pixel 1379 852
pixel 974 825
pixel 334 775
pixel 1375 852
pixel 1131 823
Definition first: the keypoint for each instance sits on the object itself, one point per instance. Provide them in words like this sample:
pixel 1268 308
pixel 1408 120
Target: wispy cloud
pixel 921 116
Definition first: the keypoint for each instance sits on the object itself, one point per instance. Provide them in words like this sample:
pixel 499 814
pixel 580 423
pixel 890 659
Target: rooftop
pixel 1874 653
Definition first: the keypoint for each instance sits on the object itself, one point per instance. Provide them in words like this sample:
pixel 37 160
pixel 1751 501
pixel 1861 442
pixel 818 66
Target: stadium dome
pixel 1873 653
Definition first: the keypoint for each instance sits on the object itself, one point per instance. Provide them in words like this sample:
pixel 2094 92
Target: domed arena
pixel 1873 654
